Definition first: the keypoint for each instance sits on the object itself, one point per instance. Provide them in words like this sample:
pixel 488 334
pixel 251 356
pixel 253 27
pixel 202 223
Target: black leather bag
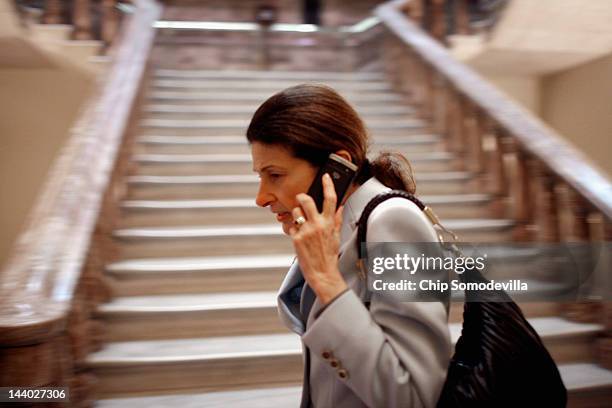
pixel 499 360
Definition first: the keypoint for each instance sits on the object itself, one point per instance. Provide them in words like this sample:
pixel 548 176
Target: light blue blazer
pixel 392 355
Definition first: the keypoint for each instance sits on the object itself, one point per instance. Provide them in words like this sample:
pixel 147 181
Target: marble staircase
pixel 193 318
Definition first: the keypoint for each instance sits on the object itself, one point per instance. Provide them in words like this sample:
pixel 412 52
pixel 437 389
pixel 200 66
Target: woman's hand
pixel 317 242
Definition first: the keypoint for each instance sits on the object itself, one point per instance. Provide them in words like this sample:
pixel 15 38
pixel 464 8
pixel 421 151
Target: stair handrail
pixel 38 281
pixel 532 136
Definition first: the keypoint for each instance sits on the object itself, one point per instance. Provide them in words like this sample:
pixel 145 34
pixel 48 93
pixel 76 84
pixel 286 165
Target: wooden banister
pixel 46 286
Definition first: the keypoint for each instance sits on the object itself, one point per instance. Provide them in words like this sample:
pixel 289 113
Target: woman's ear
pixel 345 155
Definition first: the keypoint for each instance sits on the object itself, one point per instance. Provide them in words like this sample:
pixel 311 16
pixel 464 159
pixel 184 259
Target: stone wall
pixel 576 103
pixel 37 109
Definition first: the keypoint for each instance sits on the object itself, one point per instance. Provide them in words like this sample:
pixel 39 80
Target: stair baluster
pixel 110 20
pixel 82 20
pixel 521 193
pixel 578 231
pixel 437 20
pixel 547 210
pixel 53 12
pixel 475 132
pixel 495 180
pixel 462 17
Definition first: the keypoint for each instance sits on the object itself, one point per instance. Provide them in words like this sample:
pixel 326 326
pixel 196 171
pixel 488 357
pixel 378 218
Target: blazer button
pixel 334 363
pixel 326 355
pixel 342 373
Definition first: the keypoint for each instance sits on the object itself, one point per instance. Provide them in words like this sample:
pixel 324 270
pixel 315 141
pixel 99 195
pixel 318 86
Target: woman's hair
pixel 312 121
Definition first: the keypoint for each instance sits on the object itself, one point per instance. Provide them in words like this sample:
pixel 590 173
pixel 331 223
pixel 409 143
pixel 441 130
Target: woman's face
pixel 282 176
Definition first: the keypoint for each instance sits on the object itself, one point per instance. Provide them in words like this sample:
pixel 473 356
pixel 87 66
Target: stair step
pixel 259 97
pixel 175 316
pixel 280 397
pixel 190 315
pixel 81 51
pixel 50 32
pixel 262 238
pixel 193 241
pixel 481 223
pixel 240 211
pixel 269 75
pixel 207 108
pixel 194 164
pixel 238 125
pixel 158 276
pixel 213 127
pixel 588 385
pixel 246 116
pixel 238 186
pixel 218 144
pixel 217 363
pixel 195 84
pixel 193 275
pixel 247 110
pixel 155 144
pixel 210 364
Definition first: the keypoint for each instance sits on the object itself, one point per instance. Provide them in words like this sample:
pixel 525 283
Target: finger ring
pixel 299 221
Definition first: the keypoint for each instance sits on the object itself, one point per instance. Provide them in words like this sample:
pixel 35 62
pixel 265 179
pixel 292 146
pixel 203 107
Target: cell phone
pixel 342 173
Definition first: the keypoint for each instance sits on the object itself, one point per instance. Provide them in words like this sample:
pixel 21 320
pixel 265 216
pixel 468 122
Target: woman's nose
pixel 263 198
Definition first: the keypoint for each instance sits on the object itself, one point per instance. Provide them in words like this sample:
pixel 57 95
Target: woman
pixel 392 354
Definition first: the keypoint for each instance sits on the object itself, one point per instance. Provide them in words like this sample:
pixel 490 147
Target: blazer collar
pixel 356 203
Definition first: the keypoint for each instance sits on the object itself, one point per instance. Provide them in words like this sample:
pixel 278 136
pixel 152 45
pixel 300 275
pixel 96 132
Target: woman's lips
pixel 280 217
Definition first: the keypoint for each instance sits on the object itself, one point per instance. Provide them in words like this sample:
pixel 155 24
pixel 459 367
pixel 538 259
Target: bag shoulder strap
pixel 362 227
pixel 362 224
